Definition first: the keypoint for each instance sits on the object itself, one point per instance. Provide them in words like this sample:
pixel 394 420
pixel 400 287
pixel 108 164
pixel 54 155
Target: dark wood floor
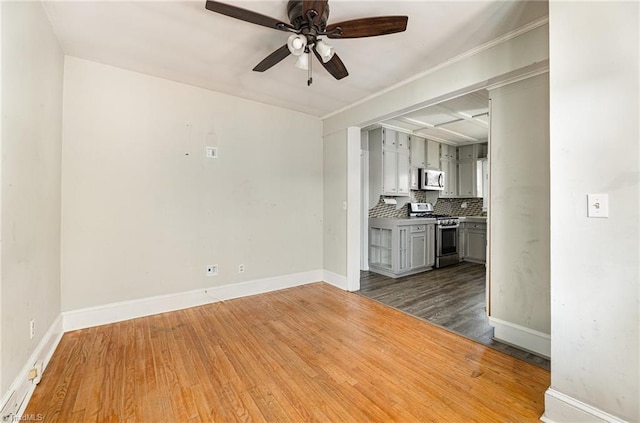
pixel 313 353
pixel 452 297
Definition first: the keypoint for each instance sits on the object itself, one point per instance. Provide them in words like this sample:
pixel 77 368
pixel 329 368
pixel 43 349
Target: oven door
pixel 447 240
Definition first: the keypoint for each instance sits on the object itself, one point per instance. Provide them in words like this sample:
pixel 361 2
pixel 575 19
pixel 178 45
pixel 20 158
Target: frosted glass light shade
pixel 303 62
pixel 296 44
pixel 325 50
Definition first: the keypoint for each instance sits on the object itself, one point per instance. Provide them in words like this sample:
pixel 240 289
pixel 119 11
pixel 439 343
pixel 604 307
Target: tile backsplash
pixel 452 206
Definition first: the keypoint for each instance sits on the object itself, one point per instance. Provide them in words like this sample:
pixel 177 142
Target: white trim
pixel 125 310
pixel 19 393
pixel 521 336
pixel 535 70
pixel 339 281
pixel 486 46
pixel 559 407
pixel 364 209
pixel 353 208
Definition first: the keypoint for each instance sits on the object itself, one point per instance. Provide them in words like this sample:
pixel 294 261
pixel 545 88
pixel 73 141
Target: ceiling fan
pixel 308 22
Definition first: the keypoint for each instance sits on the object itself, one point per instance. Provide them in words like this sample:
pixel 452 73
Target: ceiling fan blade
pixel 246 15
pixel 318 5
pixel 369 27
pixel 334 66
pixel 273 59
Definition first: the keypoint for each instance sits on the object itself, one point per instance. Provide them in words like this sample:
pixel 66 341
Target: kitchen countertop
pixel 426 220
pixel 407 220
pixel 473 219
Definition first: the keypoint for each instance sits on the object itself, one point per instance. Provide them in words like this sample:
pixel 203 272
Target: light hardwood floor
pixel 452 297
pixel 310 353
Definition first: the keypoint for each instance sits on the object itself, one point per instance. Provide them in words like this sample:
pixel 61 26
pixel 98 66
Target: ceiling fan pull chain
pixel 309 73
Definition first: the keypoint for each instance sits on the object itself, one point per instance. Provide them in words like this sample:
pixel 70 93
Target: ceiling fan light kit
pixel 303 62
pixel 308 21
pixel 296 44
pixel 325 50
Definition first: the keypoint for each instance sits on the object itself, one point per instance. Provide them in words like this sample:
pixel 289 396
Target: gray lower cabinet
pixel 400 247
pixel 473 242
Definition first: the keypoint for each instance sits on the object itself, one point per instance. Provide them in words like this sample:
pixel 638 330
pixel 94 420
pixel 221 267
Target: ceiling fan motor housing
pixel 299 21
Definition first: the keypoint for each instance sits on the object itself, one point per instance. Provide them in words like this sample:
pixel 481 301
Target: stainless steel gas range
pixel 446 246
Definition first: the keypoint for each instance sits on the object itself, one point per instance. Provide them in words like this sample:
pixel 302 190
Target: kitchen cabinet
pixel 418 152
pixel 400 247
pixel 467 152
pixel 389 162
pixel 418 160
pixel 472 170
pixel 473 242
pixel 476 243
pixel 433 155
pixel 450 169
pixel 466 179
pixel 448 165
pixel 380 247
pixel 448 152
pixel 422 246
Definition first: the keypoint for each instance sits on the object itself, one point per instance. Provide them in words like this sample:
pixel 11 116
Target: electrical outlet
pixel 212 270
pixel 32 328
pixel 241 268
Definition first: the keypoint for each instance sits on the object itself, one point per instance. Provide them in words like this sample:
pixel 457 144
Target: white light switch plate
pixel 598 205
pixel 212 152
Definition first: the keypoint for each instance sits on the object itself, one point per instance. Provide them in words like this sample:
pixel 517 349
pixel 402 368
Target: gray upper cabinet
pixel 418 152
pixel 466 179
pixel 389 154
pixel 433 155
pixel 467 152
pixel 449 166
pixel 472 170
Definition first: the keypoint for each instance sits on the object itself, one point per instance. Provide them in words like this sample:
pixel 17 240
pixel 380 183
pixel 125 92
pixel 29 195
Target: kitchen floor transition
pixel 452 297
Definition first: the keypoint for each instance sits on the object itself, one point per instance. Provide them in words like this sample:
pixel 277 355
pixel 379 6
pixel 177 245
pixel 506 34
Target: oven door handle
pixel 448 226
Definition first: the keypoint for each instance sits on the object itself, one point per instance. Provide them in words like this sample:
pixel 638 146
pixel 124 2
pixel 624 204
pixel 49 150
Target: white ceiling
pixel 460 121
pixel 182 41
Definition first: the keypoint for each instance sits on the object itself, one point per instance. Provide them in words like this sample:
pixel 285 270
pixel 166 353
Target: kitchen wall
pixel 519 208
pixel 595 262
pixel 143 210
pixel 30 138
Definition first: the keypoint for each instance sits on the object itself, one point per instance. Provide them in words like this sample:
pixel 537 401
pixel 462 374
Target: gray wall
pixel 595 263
pixel 519 204
pixel 144 212
pixel 32 65
pixel 335 193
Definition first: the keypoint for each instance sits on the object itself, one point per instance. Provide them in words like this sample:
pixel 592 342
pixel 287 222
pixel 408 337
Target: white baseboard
pixel 125 310
pixel 520 336
pixel 19 393
pixel 560 408
pixel 335 279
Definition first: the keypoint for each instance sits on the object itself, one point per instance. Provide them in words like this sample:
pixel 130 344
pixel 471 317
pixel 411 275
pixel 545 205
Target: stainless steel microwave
pixel 431 179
